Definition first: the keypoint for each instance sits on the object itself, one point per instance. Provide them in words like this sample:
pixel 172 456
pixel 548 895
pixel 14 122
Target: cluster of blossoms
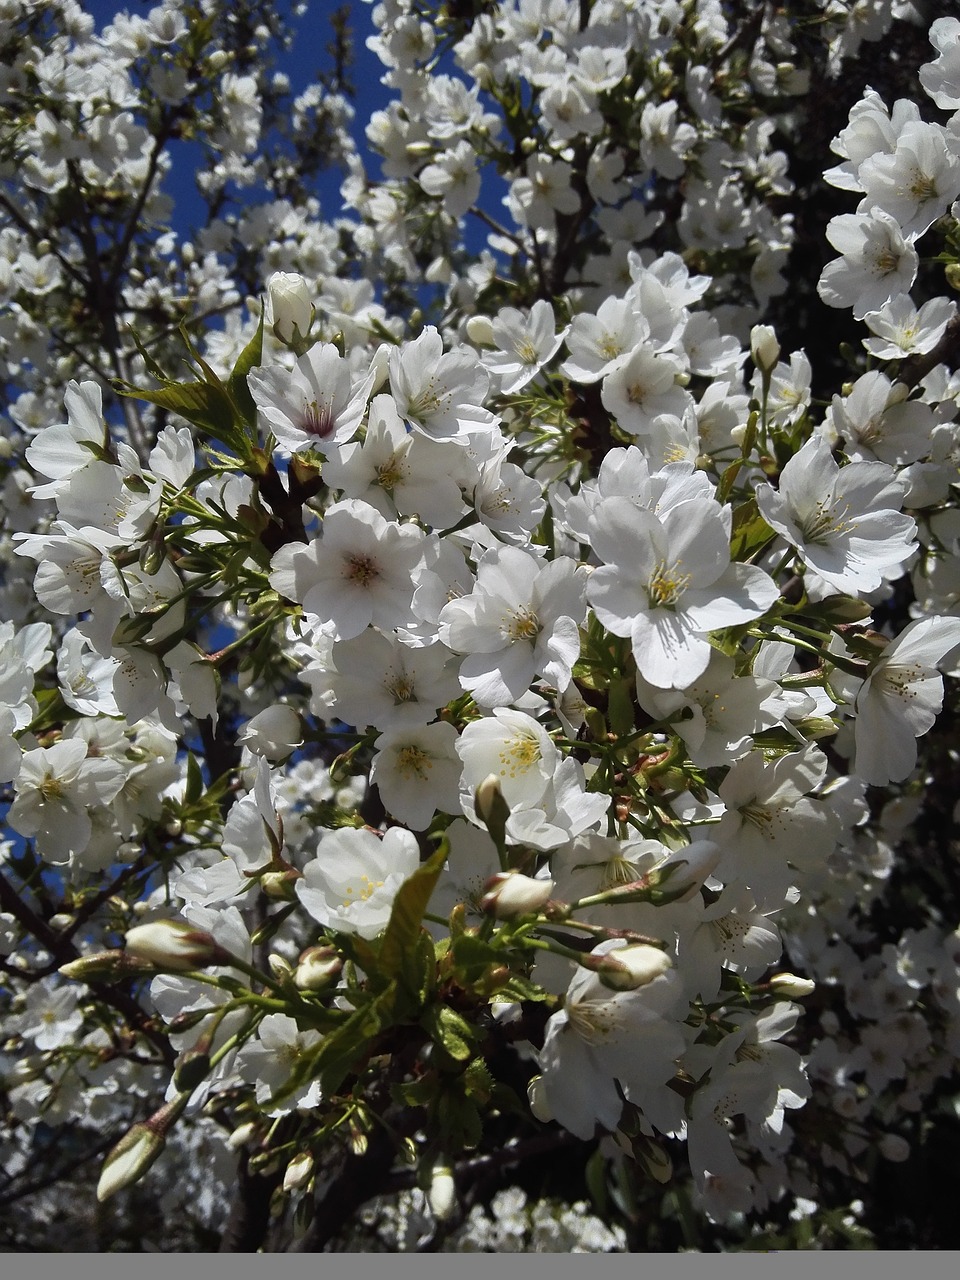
pixel 418 716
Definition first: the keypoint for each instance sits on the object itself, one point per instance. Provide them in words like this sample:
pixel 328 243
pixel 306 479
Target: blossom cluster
pixel 508 682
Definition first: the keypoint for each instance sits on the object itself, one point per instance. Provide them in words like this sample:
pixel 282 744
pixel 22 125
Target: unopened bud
pixel 683 872
pixel 298 1172
pixel 175 945
pixel 129 1160
pixel 290 300
pixel 103 966
pixel 631 967
pixel 280 968
pixel 480 331
pixel 509 893
pixel 764 347
pixel 788 984
pixel 317 968
pixel 442 1193
pixel 191 1070
pixel 652 1158
pixel 242 1135
pixel 492 810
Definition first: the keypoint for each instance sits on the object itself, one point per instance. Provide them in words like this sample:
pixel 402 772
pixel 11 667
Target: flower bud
pixel 789 985
pixel 175 945
pixel 105 966
pixel 290 301
pixel 480 331
pixel 191 1069
pixel 509 893
pixel 764 347
pixel 442 1193
pixel 492 810
pixel 274 732
pixel 129 1160
pixel 298 1172
pixel 242 1135
pixel 279 967
pixel 894 1148
pixel 317 968
pixel 683 872
pixel 631 967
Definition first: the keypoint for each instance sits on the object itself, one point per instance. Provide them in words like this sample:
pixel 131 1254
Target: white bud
pixel 508 893
pixel 789 985
pixel 298 1172
pixel 632 966
pixel 129 1160
pixel 274 732
pixel 173 944
pixel 317 968
pixel 764 347
pixel 442 1194
pixel 290 301
pixel 894 1148
pixel 241 1136
pixel 480 331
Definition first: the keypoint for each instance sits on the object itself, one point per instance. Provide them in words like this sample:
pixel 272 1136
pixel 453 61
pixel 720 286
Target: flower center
pixel 362 570
pixel 667 584
pixel 317 420
pixel 414 760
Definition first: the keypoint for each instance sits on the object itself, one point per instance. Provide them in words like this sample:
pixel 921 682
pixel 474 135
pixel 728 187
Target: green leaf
pixel 250 358
pixel 402 956
pixel 450 1030
pixel 750 531
pixel 472 958
pixel 206 405
pixel 194 788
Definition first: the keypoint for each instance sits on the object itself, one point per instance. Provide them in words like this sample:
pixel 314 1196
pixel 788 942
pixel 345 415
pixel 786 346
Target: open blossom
pixel 521 620
pixel 845 522
pixel 351 884
pixel 877 262
pixel 356 573
pixel 523 344
pixel 668 582
pixel 417 772
pixel 438 393
pixel 318 404
pixel 54 787
pixel 900 699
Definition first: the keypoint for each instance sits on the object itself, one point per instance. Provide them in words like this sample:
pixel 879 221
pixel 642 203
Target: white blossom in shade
pixel 417 772
pixel 747 1074
pixel 398 471
pixel 351 884
pixel 267 1061
pixel 275 732
pixel 665 141
pixel 359 571
pixel 917 182
pixel 546 190
pixel 9 933
pixel 601 1037
pixel 376 680
pixel 438 393
pixel 53 789
pixel 876 421
pixel 667 583
pixel 508 501
pixel 51 1017
pixel 524 343
pixel 513 746
pixel 941 78
pixel 845 522
pixel 731 934
pixel 772 831
pixel 23 651
pixel 644 388
pixel 901 330
pixel 565 810
pixel 59 452
pixel 900 699
pixel 521 620
pixel 318 404
pixel 872 129
pixel 723 710
pixel 473 860
pixel 877 263
pixel 85 678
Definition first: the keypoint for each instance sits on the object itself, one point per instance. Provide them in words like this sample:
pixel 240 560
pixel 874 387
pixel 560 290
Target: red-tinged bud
pixel 105 966
pixel 317 969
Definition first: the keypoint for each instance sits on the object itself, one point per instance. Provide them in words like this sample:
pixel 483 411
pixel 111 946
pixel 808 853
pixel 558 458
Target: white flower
pixel 513 746
pixel 900 699
pixel 417 772
pixel 668 582
pixel 54 787
pixel 316 405
pixel 358 572
pixel 267 1061
pixel 877 262
pixel 521 620
pixel 351 884
pixel 844 521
